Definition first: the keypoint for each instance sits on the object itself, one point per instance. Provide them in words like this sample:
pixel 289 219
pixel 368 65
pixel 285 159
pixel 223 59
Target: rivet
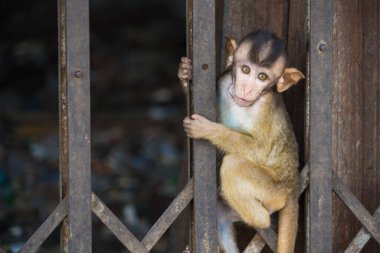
pixel 204 66
pixel 78 74
pixel 322 47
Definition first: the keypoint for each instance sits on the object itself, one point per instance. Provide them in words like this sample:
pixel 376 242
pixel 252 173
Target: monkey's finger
pixel 197 117
pixel 187 121
pixel 186 59
pixel 184 83
pixel 186 65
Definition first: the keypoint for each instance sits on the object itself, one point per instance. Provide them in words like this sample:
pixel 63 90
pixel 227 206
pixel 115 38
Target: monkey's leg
pixel 288 226
pixel 226 229
pixel 246 188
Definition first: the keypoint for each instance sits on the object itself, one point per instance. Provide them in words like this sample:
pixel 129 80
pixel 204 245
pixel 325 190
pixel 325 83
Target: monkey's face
pixel 250 80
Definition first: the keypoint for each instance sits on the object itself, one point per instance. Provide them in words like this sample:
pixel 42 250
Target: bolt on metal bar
pixel 320 207
pixel 203 98
pixel 74 108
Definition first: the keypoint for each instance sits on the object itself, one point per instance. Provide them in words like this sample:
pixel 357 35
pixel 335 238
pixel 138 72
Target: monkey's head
pixel 258 65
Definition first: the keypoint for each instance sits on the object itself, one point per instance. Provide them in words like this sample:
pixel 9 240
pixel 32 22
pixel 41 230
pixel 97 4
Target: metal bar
pixel 46 228
pixel 304 180
pixel 204 164
pixel 63 115
pixel 307 130
pixel 269 236
pixel 75 123
pixel 320 126
pixel 116 226
pixel 2 251
pixel 170 215
pixel 362 237
pixel 256 245
pixel 356 208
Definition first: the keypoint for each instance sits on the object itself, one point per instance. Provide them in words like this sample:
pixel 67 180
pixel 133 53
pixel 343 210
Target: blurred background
pixel 137 109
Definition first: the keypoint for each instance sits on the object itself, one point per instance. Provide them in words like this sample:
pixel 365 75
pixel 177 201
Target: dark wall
pixel 356 135
pixel 137 107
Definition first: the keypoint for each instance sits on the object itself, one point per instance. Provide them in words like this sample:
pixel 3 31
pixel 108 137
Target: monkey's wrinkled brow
pixel 265 49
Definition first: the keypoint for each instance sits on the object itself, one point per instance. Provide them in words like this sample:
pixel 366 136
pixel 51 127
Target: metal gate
pixel 78 202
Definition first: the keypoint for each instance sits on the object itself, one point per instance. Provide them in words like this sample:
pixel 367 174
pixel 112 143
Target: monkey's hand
pixel 198 127
pixel 185 71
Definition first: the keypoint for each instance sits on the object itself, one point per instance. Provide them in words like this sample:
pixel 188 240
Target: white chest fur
pixel 234 116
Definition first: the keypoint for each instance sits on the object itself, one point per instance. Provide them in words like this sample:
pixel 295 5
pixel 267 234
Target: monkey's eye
pixel 262 76
pixel 245 69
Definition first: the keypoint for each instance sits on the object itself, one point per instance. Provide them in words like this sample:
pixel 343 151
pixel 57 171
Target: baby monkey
pixel 259 172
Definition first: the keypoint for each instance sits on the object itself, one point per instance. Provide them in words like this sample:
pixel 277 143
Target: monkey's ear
pixel 290 77
pixel 231 46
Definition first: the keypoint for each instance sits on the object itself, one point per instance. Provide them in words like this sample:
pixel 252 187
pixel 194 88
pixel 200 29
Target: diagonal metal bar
pixel 47 227
pixel 169 216
pixel 362 237
pixel 269 236
pixel 116 226
pixel 2 251
pixel 258 242
pixel 356 208
pixel 304 180
pixel 256 245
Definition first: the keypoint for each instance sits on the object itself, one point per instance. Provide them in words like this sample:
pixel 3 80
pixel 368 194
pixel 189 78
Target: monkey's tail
pixel 288 222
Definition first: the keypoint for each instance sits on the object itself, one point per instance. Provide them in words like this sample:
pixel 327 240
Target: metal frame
pixel 320 206
pixel 78 202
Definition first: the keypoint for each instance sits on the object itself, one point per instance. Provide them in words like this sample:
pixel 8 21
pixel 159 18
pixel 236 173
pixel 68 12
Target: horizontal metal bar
pixel 116 226
pixel 362 237
pixel 360 212
pixel 169 216
pixel 47 227
pixel 256 245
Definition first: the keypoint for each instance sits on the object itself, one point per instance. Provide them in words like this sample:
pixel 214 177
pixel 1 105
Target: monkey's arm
pixel 225 139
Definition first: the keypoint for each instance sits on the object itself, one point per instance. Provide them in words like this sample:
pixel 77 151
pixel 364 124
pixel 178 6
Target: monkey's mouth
pixel 239 100
pixel 242 102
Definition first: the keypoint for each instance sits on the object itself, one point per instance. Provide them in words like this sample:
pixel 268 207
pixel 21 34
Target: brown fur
pixel 259 172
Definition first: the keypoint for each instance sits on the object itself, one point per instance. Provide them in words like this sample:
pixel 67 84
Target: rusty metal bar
pixel 170 215
pixel 204 164
pixel 320 126
pixel 46 228
pixel 73 17
pixel 116 226
pixel 63 123
pixel 362 237
pixel 304 180
pixel 269 236
pixel 256 245
pixel 356 208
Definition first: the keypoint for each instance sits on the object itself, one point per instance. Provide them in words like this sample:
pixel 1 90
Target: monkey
pixel 259 170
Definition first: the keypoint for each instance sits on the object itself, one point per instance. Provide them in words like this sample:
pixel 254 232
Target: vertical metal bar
pixel 307 130
pixel 320 126
pixel 75 123
pixel 63 123
pixel 203 95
